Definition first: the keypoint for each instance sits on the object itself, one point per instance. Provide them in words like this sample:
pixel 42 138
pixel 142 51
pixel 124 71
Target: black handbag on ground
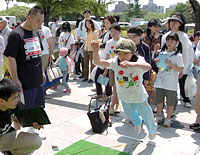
pixel 95 116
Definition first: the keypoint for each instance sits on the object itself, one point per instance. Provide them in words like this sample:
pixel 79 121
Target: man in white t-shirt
pixel 82 29
pixel 54 29
pixel 45 36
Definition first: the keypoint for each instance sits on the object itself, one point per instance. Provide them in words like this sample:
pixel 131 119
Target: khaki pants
pixel 88 57
pixel 20 143
pixel 54 39
pixel 197 101
pixel 45 61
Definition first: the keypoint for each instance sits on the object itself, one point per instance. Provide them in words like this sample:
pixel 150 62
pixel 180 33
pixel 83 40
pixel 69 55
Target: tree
pixel 196 9
pixel 133 9
pixel 19 11
pixel 55 8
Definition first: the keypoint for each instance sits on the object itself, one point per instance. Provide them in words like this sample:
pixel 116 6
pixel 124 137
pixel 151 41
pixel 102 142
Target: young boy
pixel 129 69
pixel 11 141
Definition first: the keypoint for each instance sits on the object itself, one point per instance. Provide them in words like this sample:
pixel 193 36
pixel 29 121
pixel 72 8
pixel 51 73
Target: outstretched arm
pixel 142 65
pixel 97 60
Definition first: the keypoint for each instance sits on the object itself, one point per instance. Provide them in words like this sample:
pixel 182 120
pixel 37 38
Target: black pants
pixel 98 85
pixel 182 88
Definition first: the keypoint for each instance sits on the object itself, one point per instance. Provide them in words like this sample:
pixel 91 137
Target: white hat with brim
pixel 177 18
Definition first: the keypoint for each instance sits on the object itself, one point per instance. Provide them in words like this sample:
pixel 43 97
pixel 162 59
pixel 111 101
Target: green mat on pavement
pixel 87 148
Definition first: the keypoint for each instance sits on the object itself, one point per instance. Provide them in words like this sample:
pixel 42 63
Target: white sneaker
pixel 187 105
pixel 37 132
pixel 167 123
pixel 126 120
pixel 152 136
pixel 138 129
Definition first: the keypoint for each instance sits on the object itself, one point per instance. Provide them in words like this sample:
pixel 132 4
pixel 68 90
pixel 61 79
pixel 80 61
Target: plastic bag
pixel 190 85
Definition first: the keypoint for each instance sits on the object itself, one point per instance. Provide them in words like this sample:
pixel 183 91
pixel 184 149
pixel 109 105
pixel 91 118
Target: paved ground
pixel 68 115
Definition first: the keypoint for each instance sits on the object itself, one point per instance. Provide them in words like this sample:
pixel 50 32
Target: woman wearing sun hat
pixel 177 25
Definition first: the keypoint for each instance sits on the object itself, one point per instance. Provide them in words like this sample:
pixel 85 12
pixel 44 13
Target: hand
pixel 146 82
pixel 180 75
pixel 50 58
pixel 156 60
pixel 44 78
pixel 105 72
pixel 95 45
pixel 37 126
pixel 17 125
pixel 124 64
pixel 156 48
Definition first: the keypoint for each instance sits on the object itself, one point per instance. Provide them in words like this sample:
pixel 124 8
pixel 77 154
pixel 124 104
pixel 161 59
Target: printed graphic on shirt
pixel 63 41
pixel 7 126
pixel 32 48
pixel 127 81
pixel 112 52
pixel 167 69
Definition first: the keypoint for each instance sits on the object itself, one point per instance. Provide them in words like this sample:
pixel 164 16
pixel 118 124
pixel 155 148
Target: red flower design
pixel 135 78
pixel 42 36
pixel 121 72
pixel 112 47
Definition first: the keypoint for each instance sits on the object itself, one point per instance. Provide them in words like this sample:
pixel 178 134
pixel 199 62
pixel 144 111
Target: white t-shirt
pixel 187 49
pixel 168 78
pixel 45 33
pixel 110 47
pixel 82 29
pixel 66 39
pixel 54 28
pixel 2 48
pixel 129 82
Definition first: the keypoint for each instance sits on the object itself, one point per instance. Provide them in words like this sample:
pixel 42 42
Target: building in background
pixel 120 7
pixel 152 7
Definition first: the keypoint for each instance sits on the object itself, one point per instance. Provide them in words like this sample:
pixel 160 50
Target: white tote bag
pixel 53 72
pixel 190 85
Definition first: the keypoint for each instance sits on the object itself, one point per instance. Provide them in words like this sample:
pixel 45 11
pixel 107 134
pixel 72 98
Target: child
pixel 64 64
pixel 129 69
pixel 115 32
pixel 167 79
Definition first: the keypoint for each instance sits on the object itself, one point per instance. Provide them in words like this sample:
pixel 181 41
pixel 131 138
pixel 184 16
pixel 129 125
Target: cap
pixel 125 45
pixel 166 20
pixel 63 51
pixel 177 18
pixel 154 22
pixel 3 19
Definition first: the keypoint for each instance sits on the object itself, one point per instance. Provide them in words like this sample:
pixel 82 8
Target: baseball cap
pixel 154 22
pixel 3 19
pixel 177 18
pixel 125 45
pixel 63 51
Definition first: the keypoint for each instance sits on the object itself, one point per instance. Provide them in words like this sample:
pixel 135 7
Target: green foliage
pixel 19 11
pixel 186 10
pixel 133 10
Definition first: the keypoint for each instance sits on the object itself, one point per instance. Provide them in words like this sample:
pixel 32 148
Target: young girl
pixel 65 65
pixel 92 34
pixel 66 39
pixel 167 79
pixel 129 69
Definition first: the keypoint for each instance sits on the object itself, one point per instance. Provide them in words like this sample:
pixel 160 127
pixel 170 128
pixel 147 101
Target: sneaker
pixel 103 99
pixel 167 123
pixel 53 88
pixel 111 111
pixel 67 91
pixel 37 132
pixel 90 81
pixel 187 105
pixel 152 136
pixel 159 120
pixel 126 121
pixel 138 129
pixel 195 126
pixel 84 80
pixel 117 108
pixel 94 90
pixel 97 96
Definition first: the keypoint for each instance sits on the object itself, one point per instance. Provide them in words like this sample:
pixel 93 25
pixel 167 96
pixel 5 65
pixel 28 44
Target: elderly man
pixel 4 32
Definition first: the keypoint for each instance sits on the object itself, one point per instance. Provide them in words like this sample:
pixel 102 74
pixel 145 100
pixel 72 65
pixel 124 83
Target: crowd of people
pixel 144 68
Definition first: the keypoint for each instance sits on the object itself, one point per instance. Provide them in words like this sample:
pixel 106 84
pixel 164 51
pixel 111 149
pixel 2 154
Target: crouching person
pixel 12 141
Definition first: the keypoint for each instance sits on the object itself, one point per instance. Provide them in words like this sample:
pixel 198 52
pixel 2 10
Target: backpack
pixel 62 64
